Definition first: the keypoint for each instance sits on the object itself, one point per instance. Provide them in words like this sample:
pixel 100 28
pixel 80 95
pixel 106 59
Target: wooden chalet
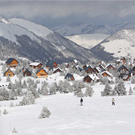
pixel 36 65
pixel 90 70
pixel 69 76
pixel 9 73
pixel 124 77
pixel 110 67
pixel 41 73
pixel 97 69
pixel 90 78
pixel 27 72
pixel 57 70
pixel 12 63
pixel 51 64
pixel 123 69
pixel 107 74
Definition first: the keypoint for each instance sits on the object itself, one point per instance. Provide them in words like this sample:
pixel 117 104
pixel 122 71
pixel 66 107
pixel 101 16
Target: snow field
pixel 97 116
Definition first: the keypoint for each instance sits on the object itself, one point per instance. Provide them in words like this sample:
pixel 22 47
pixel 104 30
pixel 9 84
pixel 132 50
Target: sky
pixel 53 13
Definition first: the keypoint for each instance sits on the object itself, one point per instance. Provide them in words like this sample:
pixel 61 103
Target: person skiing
pixel 81 101
pixel 113 101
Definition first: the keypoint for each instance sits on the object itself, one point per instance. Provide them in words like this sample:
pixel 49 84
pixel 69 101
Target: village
pixel 119 69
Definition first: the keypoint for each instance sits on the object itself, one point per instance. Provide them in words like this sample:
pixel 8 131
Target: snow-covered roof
pixel 107 73
pixel 93 77
pixel 35 64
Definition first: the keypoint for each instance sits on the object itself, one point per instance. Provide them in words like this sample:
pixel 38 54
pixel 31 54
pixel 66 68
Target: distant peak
pixel 74 24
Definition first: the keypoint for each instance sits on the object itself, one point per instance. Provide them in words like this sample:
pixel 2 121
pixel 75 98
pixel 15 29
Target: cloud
pixel 67 9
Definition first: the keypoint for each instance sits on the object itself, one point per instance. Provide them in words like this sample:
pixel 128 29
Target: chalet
pixel 107 74
pixel 69 76
pixel 51 64
pixel 101 67
pixel 42 73
pixel 27 72
pixel 57 70
pixel 110 67
pixel 90 78
pixel 102 63
pixel 123 69
pixel 124 77
pixel 77 67
pixel 90 69
pixel 36 65
pixel 11 62
pixel 97 69
pixel 133 71
pixel 9 73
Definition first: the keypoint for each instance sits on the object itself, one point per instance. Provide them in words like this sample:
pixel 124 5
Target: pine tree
pixel 107 90
pixel 45 113
pixel 89 91
pixel 130 91
pixel 121 88
pixel 5 112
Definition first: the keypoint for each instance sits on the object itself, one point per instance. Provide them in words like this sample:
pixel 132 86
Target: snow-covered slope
pixel 97 116
pixel 23 38
pixel 39 30
pixel 88 40
pixel 120 44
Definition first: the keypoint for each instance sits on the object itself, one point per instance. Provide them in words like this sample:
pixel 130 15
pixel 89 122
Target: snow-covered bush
pixel 14 130
pixel 45 113
pixel 121 88
pixel 107 90
pixel 131 91
pixel 89 92
pixel 5 112
pixel 28 99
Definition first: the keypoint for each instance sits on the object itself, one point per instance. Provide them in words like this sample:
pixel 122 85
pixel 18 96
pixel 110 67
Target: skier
pixel 81 101
pixel 113 101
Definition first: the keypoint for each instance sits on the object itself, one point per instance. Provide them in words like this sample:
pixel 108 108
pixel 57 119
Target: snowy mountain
pixel 77 28
pixel 121 44
pixel 23 38
pixel 88 40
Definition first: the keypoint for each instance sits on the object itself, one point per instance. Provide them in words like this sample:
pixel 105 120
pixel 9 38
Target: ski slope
pixel 97 116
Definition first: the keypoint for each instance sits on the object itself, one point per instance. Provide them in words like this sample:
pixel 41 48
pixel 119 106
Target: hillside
pixel 23 38
pixel 120 44
pixel 78 28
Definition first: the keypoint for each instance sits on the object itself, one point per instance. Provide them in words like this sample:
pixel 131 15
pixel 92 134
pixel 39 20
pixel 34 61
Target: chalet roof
pixel 98 69
pixel 93 77
pixel 78 67
pixel 41 69
pixel 9 70
pixel 27 69
pixel 107 73
pixel 120 68
pixel 35 64
pixel 10 60
pixel 68 75
pixel 89 67
pixel 124 76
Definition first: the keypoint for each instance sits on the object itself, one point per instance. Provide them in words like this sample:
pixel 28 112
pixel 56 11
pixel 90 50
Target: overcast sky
pixel 52 13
